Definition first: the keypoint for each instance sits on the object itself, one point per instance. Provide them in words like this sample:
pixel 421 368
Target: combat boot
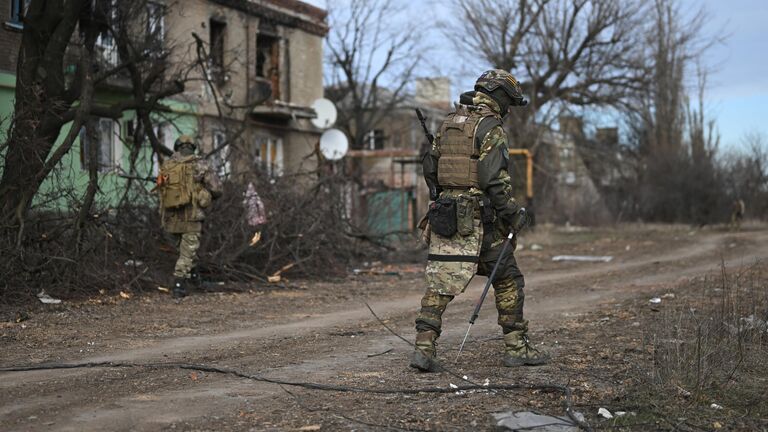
pixel 518 351
pixel 195 281
pixel 424 357
pixel 179 288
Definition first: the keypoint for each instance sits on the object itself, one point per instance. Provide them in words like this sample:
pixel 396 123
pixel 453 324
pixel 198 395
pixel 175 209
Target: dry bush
pixel 123 246
pixel 307 229
pixel 714 349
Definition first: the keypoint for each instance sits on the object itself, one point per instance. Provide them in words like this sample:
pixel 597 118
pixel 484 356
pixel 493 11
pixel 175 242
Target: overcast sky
pixel 738 94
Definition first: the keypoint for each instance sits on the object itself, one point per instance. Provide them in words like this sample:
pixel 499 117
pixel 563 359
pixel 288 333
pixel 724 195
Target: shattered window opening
pixel 216 39
pixel 268 61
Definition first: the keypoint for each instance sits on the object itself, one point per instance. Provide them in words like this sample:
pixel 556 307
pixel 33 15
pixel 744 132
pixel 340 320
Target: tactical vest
pixel 176 182
pixel 459 149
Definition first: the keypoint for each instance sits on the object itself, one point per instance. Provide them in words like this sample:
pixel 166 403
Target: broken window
pixel 374 139
pixel 217 30
pixel 18 9
pixel 268 61
pixel 269 155
pixel 101 136
pixel 166 134
pixel 220 158
pixel 106 48
pixel 156 24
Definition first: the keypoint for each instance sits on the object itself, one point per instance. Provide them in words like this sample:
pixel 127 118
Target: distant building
pixel 568 190
pixel 255 46
pixel 393 195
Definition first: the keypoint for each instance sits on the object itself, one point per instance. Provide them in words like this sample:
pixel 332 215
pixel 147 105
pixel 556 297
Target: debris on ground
pixel 255 239
pixel 526 420
pixel 716 406
pixel 604 413
pixel 583 258
pixel 276 276
pixel 125 295
pixel 668 296
pixel 655 300
pixel 133 263
pixel 536 247
pixel 47 299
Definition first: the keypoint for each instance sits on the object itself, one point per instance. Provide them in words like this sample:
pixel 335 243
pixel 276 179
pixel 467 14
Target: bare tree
pixel 674 47
pixel 564 52
pixel 371 61
pixel 675 144
pixel 50 95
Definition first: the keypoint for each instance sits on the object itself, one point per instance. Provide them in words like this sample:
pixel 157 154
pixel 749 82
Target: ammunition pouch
pixel 465 215
pixel 442 217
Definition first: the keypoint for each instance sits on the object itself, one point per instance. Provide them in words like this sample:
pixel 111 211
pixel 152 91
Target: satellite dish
pixel 333 144
pixel 326 113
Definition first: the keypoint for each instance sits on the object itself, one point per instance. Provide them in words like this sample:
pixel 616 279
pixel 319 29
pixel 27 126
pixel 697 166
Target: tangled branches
pixel 302 221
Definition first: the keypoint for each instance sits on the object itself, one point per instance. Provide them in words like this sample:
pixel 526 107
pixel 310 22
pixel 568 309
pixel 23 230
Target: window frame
pixel 155 28
pixel 269 47
pixel 273 146
pixel 18 8
pixel 375 139
pixel 221 162
pixel 217 49
pixel 114 145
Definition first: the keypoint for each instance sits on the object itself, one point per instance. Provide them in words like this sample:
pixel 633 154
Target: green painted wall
pixel 71 176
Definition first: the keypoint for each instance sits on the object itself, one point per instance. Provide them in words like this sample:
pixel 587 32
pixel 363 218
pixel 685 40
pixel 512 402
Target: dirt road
pixel 321 333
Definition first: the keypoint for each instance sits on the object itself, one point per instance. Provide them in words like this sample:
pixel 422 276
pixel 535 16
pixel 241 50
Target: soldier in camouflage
pixel 468 164
pixel 186 222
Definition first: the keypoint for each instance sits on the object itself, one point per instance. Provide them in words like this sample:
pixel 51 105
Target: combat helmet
pixel 499 83
pixel 184 140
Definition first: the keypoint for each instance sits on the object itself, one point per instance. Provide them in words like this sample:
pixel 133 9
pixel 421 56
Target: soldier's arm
pixel 211 181
pixel 429 165
pixel 492 174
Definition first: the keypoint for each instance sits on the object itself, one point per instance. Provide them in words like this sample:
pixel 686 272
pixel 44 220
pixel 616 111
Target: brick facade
pixel 10 39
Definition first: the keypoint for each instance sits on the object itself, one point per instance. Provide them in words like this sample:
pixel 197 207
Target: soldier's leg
pixel 510 299
pixel 428 328
pixel 188 246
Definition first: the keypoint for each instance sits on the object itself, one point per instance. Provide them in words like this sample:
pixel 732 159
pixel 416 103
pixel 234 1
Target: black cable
pixel 568 402
pixel 318 386
pixel 308 385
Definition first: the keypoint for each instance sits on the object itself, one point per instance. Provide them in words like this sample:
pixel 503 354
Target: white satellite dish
pixel 333 144
pixel 326 113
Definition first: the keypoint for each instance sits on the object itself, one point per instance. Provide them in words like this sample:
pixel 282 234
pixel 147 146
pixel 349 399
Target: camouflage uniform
pixel 446 279
pixel 186 223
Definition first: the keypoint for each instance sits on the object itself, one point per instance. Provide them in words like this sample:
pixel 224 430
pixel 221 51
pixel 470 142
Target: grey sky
pixel 738 93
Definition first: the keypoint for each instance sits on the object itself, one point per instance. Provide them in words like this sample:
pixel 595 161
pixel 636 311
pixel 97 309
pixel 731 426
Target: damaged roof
pixel 289 13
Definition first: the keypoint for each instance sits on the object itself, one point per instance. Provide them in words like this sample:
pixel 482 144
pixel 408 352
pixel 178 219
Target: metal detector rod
pixel 479 304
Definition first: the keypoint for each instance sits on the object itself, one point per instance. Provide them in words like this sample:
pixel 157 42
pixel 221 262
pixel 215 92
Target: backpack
pixel 176 183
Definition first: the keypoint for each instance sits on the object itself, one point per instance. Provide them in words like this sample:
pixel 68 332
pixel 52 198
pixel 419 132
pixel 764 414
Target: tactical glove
pixel 517 221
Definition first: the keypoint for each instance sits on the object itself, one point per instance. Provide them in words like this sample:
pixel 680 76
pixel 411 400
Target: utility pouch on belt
pixel 465 215
pixel 442 217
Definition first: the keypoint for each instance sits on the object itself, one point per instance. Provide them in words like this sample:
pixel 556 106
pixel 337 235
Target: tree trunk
pixel 41 100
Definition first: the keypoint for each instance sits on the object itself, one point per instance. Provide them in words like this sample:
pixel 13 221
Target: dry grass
pixel 708 355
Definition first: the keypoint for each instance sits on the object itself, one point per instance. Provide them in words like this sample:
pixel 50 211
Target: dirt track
pixel 298 335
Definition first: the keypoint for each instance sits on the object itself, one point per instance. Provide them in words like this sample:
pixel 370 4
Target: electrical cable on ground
pixel 319 386
pixel 567 403
pixel 307 385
